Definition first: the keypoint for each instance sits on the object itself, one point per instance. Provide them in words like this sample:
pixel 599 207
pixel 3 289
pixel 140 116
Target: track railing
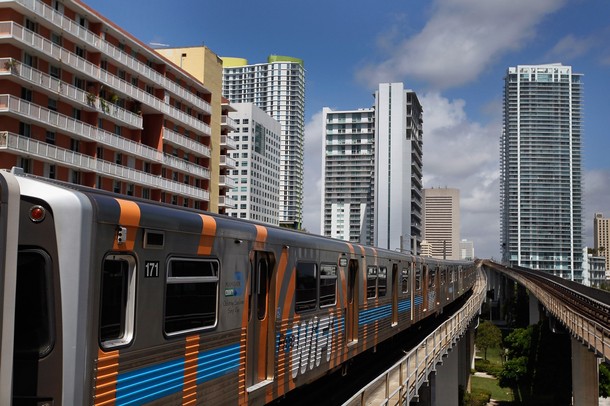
pixel 400 384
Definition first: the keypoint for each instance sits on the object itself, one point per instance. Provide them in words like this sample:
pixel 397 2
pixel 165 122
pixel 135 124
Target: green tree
pixel 604 381
pixel 513 375
pixel 488 336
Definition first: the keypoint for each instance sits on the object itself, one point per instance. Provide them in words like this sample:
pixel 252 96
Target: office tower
pixel 467 250
pixel 398 162
pixel 257 158
pixel 277 87
pixel 205 66
pixel 442 222
pixel 348 172
pixel 540 169
pixel 601 237
pixel 85 102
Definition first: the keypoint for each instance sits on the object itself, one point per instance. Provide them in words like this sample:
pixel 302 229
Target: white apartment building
pixel 540 169
pixel 398 163
pixel 278 88
pixel 442 222
pixel 348 167
pixel 257 157
pixel 467 250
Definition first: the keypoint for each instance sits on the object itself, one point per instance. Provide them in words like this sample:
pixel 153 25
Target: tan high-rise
pixel 442 222
pixel 601 236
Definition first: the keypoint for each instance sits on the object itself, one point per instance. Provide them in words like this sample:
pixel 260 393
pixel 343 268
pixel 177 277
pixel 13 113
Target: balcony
pixel 225 161
pixel 72 29
pixel 55 155
pixel 227 182
pixel 227 123
pixel 226 202
pixel 55 87
pixel 228 142
pixel 27 111
pixel 179 140
pixel 42 46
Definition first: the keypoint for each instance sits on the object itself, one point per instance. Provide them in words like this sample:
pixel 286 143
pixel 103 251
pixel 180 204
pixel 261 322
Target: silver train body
pixel 108 300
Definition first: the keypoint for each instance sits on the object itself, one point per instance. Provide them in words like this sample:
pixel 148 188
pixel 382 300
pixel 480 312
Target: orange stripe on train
pixel 189 389
pixel 105 378
pixel 208 232
pixel 130 219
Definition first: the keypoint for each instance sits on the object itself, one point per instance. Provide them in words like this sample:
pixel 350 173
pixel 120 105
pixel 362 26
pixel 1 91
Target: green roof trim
pixel 281 58
pixel 229 62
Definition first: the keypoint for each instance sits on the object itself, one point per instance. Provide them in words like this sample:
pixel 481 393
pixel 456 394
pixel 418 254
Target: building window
pixel 50 138
pixel 191 295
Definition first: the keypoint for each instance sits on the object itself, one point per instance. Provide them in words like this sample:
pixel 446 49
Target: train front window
pixel 328 285
pixel 117 301
pixel 34 316
pixel 191 295
pixel 306 287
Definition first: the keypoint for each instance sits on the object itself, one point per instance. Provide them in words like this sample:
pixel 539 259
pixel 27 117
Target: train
pixel 107 299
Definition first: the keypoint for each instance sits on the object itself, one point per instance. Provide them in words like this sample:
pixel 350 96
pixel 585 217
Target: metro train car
pixel 111 300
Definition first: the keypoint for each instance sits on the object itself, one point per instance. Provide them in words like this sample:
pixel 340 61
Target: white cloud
pixel 462 154
pixel 313 174
pixel 570 47
pixel 460 40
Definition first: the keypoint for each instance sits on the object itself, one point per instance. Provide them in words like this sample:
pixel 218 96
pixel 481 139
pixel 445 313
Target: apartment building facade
pixel 348 170
pixel 257 157
pixel 601 237
pixel 278 88
pixel 83 101
pixel 540 169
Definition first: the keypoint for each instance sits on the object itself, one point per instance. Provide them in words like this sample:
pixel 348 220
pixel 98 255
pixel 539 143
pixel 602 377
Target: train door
pixel 352 302
pixel 395 288
pixel 261 321
pixel 9 233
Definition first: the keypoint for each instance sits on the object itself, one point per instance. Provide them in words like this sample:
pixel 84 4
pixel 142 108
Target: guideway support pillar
pixel 585 375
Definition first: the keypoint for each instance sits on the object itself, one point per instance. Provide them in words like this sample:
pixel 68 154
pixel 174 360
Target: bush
pixel 491 368
pixel 477 398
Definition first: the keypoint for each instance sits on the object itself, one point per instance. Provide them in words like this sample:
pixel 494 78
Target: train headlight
pixel 37 213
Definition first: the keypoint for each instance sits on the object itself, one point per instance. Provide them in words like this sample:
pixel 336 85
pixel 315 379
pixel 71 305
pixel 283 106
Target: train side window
pixel 432 278
pixel 382 281
pixel 328 285
pixel 117 302
pixel 371 282
pixel 306 287
pixel 443 276
pixel 404 281
pixel 418 279
pixel 191 295
pixel 34 316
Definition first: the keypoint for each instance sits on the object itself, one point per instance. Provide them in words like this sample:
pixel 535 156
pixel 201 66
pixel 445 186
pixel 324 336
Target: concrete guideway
pixel 401 383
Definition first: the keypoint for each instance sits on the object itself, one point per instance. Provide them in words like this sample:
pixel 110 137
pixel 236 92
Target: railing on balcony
pixel 226 181
pixel 228 142
pixel 228 122
pixel 180 140
pixel 11 29
pixel 78 129
pixel 226 201
pixel 53 154
pixel 68 91
pixel 71 27
pixel 227 162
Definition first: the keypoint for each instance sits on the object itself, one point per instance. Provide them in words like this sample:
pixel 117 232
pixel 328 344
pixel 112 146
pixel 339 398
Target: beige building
pixel 601 236
pixel 442 222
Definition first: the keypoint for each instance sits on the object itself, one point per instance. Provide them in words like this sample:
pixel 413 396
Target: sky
pixel 453 53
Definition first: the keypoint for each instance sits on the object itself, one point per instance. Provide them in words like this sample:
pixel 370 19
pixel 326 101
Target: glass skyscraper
pixel 540 169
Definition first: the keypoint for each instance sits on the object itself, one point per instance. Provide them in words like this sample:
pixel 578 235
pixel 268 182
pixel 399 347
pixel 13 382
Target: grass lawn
pixel 494 355
pixel 491 385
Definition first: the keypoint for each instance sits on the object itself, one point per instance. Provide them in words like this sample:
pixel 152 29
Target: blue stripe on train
pixel 155 382
pixel 379 313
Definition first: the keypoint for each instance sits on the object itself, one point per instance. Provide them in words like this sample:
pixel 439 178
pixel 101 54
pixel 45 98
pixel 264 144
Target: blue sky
pixel 453 53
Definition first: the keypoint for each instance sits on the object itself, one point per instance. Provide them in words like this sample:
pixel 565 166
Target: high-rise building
pixel 348 172
pixel 442 222
pixel 85 102
pixel 277 87
pixel 372 171
pixel 467 250
pixel 398 158
pixel 257 156
pixel 540 169
pixel 601 237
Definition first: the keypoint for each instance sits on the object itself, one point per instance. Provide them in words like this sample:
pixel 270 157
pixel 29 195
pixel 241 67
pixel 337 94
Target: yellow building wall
pixel 204 65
